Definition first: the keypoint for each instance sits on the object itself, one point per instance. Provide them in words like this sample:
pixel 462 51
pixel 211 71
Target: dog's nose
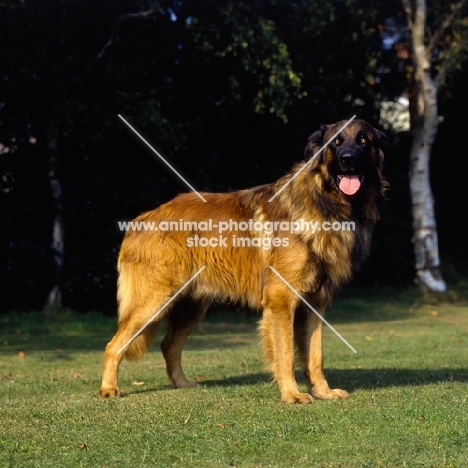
pixel 347 160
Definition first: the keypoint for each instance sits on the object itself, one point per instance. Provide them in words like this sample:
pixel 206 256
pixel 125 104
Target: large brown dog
pixel 255 251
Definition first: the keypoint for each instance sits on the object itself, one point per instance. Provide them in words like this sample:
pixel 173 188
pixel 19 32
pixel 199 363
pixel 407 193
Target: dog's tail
pixel 136 308
pixel 142 342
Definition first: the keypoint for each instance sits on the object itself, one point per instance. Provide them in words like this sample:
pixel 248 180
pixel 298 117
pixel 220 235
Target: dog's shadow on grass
pixel 355 379
pixel 348 379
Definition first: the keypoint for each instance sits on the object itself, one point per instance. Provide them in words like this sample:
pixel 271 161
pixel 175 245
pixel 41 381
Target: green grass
pixel 408 383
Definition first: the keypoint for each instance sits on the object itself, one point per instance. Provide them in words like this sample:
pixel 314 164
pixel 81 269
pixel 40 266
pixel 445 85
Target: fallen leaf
pixel 77 375
pixel 5 376
pixel 220 425
pixel 138 383
pixel 21 354
pixel 82 446
pixel 434 313
pixel 369 338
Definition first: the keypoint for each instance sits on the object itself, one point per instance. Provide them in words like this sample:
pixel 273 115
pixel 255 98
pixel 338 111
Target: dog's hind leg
pixel 122 345
pixel 182 319
pixel 141 308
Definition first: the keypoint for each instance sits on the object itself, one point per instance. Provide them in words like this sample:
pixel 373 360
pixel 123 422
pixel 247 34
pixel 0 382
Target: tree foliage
pixel 227 90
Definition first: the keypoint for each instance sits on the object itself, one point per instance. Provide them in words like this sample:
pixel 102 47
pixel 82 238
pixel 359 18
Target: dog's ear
pixel 314 142
pixel 383 142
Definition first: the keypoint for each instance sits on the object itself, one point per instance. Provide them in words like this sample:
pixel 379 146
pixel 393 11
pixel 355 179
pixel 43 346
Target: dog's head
pixel 350 158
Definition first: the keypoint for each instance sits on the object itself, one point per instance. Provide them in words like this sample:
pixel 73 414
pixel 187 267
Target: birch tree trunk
pixel 424 123
pixel 54 299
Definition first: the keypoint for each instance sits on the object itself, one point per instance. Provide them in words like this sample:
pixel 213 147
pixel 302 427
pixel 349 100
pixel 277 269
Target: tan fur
pixel 154 265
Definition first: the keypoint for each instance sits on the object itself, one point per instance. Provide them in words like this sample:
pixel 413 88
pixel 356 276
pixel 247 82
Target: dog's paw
pixel 110 393
pixel 297 398
pixel 187 384
pixel 330 394
pixel 183 383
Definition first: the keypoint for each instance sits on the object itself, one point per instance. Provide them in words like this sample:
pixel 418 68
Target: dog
pixel 263 257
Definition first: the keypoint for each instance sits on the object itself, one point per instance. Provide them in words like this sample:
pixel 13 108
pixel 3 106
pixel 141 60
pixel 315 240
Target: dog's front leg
pixel 308 332
pixel 277 330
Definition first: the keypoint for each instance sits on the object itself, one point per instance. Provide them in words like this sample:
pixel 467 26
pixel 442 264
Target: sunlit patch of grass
pixel 408 384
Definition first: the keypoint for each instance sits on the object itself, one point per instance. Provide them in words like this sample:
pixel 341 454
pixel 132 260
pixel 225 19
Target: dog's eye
pixel 362 140
pixel 337 142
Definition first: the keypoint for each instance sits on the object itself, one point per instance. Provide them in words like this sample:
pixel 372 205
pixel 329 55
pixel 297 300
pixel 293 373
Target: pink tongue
pixel 350 184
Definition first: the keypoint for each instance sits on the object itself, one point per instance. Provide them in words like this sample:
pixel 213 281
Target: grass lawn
pixel 408 384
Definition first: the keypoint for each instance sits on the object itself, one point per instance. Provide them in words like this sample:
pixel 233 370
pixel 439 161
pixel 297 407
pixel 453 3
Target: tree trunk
pixel 54 299
pixel 424 126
